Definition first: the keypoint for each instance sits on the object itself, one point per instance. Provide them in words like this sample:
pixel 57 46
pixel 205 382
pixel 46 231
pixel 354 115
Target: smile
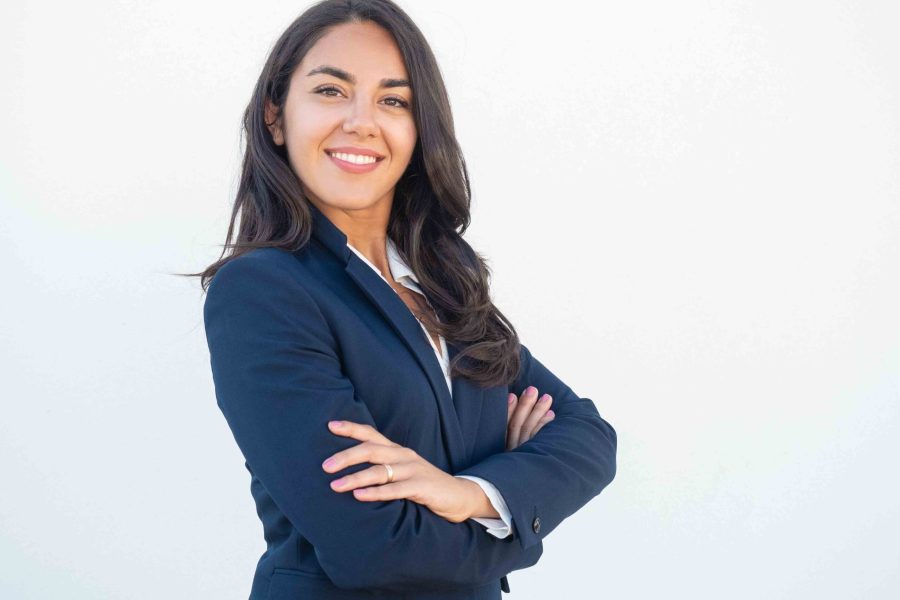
pixel 358 159
pixel 354 163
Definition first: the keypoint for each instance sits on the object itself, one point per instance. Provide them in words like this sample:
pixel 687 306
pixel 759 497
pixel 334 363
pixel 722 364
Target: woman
pixel 356 354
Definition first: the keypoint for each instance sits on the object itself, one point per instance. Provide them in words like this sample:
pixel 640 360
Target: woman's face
pixel 349 92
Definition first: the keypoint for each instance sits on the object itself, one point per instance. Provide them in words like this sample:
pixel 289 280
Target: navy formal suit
pixel 297 339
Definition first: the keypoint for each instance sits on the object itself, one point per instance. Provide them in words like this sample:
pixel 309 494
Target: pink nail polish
pixel 330 463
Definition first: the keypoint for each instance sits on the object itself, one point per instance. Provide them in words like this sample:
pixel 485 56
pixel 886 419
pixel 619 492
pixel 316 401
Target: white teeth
pixel 354 158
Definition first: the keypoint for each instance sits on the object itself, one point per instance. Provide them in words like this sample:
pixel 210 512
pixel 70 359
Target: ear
pixel 273 122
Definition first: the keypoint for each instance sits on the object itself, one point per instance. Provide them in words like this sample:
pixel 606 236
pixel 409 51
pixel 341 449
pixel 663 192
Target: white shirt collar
pixel 399 268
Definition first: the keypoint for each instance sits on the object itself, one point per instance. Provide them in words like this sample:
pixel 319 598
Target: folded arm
pixel 556 472
pixel 278 381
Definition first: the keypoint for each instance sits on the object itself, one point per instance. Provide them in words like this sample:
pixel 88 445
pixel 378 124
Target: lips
pixel 354 150
pixel 352 167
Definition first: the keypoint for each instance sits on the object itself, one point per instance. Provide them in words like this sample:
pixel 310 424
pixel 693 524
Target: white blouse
pixel 403 275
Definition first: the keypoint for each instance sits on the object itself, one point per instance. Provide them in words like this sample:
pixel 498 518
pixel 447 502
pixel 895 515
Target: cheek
pixel 403 140
pixel 307 131
pixel 305 142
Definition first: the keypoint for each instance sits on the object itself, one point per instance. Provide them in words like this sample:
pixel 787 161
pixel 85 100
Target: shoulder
pixel 262 275
pixel 263 290
pixel 260 258
pixel 249 267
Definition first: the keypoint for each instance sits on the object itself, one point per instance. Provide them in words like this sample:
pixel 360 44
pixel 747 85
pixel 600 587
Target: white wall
pixel 692 213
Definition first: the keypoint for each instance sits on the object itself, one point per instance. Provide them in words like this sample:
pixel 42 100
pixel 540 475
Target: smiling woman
pixel 340 121
pixel 389 415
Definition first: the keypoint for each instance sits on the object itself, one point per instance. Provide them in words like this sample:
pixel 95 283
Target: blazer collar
pixel 327 232
pixel 462 407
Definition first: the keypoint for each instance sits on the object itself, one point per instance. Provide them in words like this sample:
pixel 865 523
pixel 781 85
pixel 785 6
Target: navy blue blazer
pixel 297 339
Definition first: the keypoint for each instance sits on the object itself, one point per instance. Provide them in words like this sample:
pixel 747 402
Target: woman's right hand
pixel 526 415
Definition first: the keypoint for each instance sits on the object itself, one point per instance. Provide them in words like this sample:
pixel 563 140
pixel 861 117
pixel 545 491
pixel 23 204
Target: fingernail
pixel 551 414
pixel 511 399
pixel 335 423
pixel 530 390
pixel 339 482
pixel 545 398
pixel 330 463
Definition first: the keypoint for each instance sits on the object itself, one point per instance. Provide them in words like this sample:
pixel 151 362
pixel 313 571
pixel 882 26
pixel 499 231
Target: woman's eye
pixel 401 103
pixel 327 89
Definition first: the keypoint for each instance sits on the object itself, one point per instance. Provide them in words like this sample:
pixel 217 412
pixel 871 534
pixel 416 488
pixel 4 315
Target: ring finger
pixel 374 475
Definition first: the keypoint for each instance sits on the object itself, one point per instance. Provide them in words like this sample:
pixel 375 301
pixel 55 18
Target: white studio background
pixel 692 214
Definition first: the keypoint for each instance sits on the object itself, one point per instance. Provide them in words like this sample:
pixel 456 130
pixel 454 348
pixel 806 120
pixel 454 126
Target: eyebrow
pixel 342 74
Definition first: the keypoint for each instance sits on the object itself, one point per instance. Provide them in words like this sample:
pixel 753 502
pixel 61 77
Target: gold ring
pixel 390 473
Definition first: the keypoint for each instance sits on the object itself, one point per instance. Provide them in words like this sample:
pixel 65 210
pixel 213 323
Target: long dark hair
pixel 430 210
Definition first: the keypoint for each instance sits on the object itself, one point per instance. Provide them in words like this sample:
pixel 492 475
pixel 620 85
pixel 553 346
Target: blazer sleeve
pixel 278 381
pixel 556 472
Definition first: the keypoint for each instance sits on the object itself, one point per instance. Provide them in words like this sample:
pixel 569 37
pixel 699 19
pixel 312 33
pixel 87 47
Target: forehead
pixel 365 50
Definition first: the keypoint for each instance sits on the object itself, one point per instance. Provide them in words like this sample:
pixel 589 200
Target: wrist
pixel 478 505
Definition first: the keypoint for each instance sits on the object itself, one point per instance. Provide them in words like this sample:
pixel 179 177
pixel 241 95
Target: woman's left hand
pixel 414 477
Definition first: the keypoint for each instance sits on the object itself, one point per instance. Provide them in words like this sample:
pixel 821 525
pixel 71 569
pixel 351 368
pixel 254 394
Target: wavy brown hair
pixel 430 209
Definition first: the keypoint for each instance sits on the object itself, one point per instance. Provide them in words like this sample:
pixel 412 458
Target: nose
pixel 361 119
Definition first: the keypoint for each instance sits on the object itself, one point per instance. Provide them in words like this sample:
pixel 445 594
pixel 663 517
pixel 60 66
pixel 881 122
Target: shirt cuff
pixel 501 527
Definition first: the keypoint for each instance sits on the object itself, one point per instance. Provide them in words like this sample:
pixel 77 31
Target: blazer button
pixel 536 525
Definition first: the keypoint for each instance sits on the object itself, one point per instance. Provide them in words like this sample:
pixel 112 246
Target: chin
pixel 349 202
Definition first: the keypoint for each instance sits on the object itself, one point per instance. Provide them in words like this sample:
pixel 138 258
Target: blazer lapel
pixel 468 399
pixel 407 327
